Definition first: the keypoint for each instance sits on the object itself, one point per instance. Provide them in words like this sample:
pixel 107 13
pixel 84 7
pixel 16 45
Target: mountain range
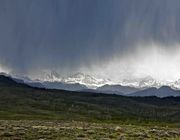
pixel 83 82
pixel 93 82
pixel 20 101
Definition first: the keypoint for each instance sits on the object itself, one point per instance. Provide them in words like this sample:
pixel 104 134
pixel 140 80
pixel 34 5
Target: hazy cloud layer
pixel 73 35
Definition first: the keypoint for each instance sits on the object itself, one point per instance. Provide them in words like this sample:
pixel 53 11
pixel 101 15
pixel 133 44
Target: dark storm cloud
pixel 65 34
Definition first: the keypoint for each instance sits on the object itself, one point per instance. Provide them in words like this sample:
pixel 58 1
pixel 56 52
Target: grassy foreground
pixel 57 130
pixel 32 113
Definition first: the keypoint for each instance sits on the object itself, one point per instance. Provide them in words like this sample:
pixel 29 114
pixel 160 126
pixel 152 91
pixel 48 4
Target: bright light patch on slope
pixel 4 69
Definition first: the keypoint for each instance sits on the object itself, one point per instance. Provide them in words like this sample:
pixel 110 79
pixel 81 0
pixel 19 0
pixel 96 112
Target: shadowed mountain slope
pixel 163 91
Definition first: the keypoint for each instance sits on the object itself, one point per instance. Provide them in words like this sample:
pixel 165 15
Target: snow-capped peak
pixel 80 78
pixel 86 79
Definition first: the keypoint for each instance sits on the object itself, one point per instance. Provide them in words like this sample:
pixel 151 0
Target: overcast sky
pixel 102 37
